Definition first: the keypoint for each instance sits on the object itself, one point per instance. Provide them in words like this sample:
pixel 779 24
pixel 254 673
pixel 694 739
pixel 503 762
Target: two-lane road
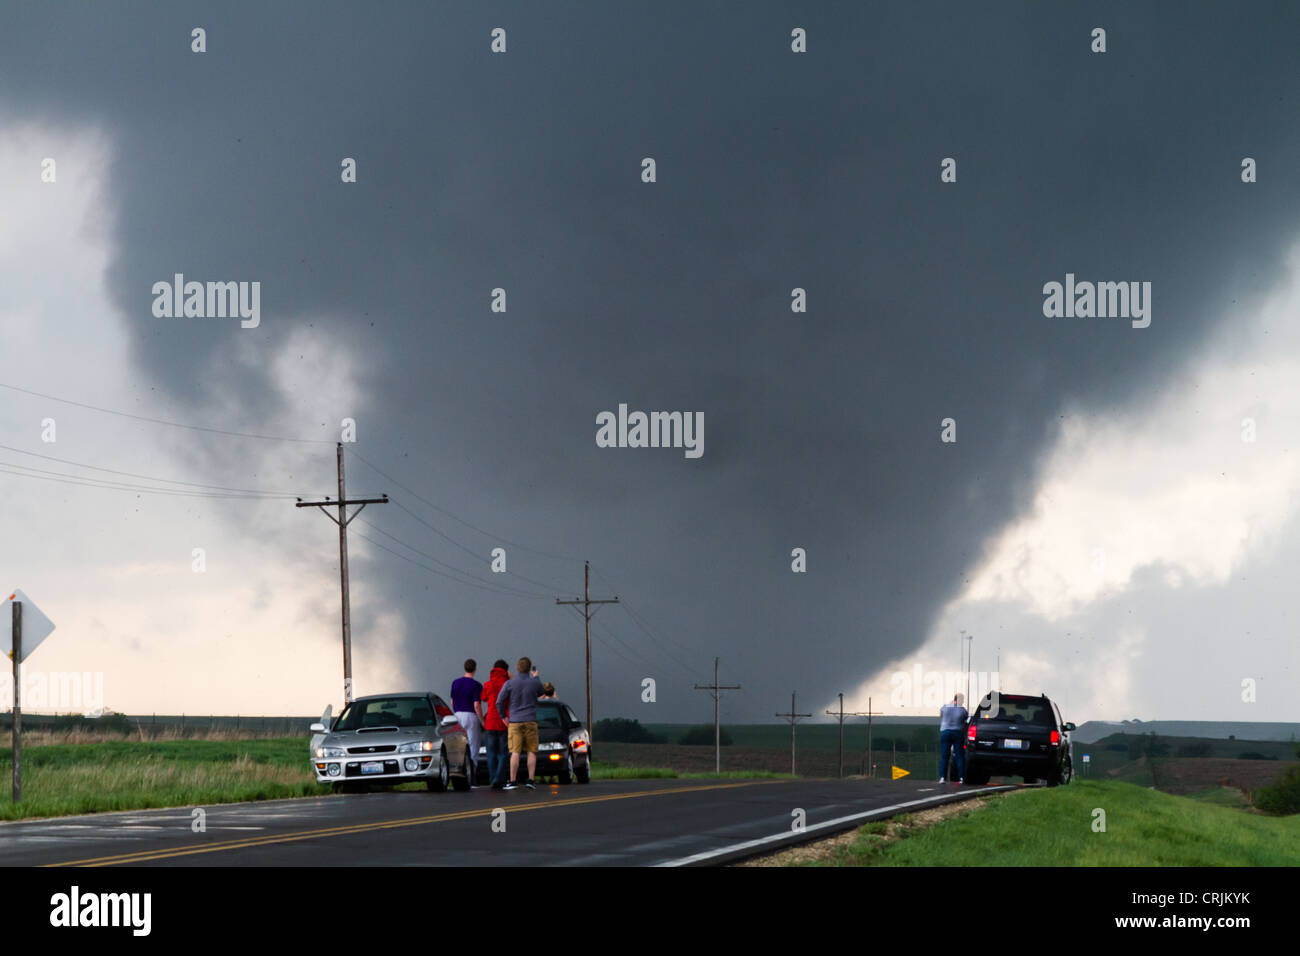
pixel 618 823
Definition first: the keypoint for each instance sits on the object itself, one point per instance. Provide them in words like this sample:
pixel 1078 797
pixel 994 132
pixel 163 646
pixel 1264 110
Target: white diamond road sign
pixel 36 626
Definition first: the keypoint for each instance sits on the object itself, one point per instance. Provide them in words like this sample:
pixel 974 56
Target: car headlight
pixel 415 746
pixel 550 746
pixel 329 751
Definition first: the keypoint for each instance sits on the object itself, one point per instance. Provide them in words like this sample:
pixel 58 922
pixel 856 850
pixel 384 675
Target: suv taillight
pixel 970 732
pixel 1056 738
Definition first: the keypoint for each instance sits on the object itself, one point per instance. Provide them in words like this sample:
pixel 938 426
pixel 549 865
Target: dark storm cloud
pixel 775 171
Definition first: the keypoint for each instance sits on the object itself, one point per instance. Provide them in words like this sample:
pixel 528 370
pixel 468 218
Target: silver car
pixel 389 739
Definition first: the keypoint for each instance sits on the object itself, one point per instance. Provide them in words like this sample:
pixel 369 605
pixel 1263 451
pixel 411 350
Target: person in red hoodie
pixel 498 755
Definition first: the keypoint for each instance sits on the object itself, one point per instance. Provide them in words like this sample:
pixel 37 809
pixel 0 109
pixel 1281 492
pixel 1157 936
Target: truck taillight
pixel 970 732
pixel 1056 738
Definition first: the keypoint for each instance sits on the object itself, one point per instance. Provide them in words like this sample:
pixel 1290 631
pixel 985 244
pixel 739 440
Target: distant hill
pixel 1093 730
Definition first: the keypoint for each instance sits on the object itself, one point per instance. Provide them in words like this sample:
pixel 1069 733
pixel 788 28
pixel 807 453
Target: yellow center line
pixel 142 856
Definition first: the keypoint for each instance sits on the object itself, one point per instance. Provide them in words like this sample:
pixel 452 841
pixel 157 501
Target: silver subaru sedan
pixel 387 739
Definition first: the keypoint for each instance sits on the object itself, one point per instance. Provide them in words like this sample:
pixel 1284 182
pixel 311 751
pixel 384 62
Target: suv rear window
pixel 1017 710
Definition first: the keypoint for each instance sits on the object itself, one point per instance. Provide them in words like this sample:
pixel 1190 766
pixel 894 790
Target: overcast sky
pixel 1099 525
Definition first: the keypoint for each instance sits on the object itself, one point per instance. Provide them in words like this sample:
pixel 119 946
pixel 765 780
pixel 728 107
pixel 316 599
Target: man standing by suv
pixel 517 702
pixel 465 701
pixel 952 725
pixel 495 727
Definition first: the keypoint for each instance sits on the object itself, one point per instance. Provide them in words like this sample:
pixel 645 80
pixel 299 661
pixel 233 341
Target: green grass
pixel 1221 797
pixel 64 779
pixel 1053 827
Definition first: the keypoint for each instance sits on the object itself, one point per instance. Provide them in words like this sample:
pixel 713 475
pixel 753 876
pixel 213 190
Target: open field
pixel 1054 827
pixel 70 772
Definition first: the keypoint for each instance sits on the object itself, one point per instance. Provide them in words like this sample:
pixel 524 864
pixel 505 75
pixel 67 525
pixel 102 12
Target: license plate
pixel 1013 744
pixel 372 768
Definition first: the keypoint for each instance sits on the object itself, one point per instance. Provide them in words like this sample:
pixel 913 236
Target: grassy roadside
pixel 61 779
pixel 1054 827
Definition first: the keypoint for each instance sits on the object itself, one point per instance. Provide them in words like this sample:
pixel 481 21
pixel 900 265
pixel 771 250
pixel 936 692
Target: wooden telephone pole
pixel 793 717
pixel 586 603
pixel 342 521
pixel 715 688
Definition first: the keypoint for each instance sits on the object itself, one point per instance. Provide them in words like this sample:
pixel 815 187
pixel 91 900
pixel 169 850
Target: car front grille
pixel 381 749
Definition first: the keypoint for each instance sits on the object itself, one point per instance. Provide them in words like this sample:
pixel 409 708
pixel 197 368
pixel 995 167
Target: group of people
pixel 502 714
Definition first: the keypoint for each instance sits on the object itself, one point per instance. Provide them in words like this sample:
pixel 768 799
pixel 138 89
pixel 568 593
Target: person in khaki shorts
pixel 517 704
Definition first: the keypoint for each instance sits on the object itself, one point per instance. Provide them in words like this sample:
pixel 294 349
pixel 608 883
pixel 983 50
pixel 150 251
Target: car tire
pixel 583 773
pixel 439 784
pixel 462 784
pixel 975 778
pixel 566 776
pixel 1061 775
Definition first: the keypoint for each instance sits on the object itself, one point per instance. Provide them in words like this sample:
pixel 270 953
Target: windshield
pixel 386 712
pixel 548 716
pixel 1016 710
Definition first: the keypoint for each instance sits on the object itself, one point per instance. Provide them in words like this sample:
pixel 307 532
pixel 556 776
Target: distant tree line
pixel 621 730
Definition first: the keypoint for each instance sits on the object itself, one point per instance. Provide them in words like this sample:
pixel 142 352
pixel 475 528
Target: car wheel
pixel 463 783
pixel 583 773
pixel 567 775
pixel 976 778
pixel 444 773
pixel 1061 775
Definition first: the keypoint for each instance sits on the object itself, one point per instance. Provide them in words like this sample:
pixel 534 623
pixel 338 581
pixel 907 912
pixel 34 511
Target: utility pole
pixel 870 769
pixel 586 603
pixel 342 521
pixel 832 713
pixel 841 714
pixel 970 644
pixel 793 717
pixel 715 688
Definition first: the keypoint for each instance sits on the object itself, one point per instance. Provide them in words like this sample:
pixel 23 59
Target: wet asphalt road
pixel 605 823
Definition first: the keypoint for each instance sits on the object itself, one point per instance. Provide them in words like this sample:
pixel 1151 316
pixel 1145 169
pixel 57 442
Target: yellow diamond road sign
pixel 900 772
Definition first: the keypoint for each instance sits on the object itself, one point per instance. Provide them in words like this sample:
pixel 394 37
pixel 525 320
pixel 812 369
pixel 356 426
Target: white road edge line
pixel 762 841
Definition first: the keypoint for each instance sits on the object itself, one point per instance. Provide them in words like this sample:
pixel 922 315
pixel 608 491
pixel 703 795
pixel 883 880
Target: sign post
pixel 11 641
pixel 16 654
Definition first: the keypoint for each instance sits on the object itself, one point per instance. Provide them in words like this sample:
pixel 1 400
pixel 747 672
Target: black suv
pixel 1011 735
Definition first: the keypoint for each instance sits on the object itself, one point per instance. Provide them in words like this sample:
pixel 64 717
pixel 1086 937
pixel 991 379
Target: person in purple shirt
pixel 466 694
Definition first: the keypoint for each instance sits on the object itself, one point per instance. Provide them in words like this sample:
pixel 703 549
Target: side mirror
pixel 1068 726
pixel 447 721
pixel 319 729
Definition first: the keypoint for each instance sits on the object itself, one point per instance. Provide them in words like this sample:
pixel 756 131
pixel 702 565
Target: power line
pixel 131 474
pixel 89 482
pixel 451 567
pixel 459 520
pixel 162 421
pixel 443 574
pixel 473 554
